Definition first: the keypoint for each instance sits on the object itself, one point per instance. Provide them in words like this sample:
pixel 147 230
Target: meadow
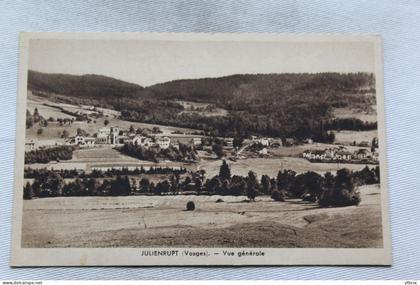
pixel 271 166
pixel 159 221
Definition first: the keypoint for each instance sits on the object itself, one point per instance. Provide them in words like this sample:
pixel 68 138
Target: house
pixel 175 145
pixel 47 144
pixel 263 151
pixel 361 154
pixel 276 143
pixel 79 140
pixel 196 141
pixel 31 145
pixel 314 154
pixel 84 141
pixel 309 141
pixel 289 141
pixel 107 135
pixel 164 142
pixel 343 155
pixel 143 141
pixel 228 142
pixel 330 153
pixel 364 144
pixel 264 141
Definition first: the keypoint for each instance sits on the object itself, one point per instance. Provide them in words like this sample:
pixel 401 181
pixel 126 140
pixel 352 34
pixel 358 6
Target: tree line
pixel 326 190
pixel 351 124
pixel 33 173
pixel 183 153
pixel 49 154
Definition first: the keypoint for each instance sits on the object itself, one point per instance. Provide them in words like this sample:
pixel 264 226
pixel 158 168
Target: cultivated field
pixel 158 221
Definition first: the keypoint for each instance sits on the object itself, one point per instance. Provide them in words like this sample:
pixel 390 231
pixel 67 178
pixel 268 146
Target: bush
pixel 341 193
pixel 190 206
pixel 339 198
pixel 276 195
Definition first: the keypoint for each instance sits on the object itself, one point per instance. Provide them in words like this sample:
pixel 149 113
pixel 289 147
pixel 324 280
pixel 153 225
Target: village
pixel 114 137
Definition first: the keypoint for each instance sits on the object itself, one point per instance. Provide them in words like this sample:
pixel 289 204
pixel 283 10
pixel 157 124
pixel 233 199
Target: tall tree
pixel 224 172
pixel 218 149
pixel 252 186
pixel 266 184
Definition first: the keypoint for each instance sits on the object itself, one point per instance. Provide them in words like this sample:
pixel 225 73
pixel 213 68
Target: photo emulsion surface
pixel 160 149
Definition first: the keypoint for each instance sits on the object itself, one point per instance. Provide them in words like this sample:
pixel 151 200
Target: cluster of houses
pixel 34 144
pixel 265 142
pixel 112 136
pixel 341 154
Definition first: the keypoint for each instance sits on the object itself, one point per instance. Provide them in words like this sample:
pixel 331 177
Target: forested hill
pixel 81 86
pixel 297 105
pixel 248 88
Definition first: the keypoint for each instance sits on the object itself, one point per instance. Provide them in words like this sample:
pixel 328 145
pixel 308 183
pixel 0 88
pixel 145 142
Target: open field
pixel 158 221
pixel 105 157
pixel 348 137
pixel 271 166
pixel 361 115
pixel 191 108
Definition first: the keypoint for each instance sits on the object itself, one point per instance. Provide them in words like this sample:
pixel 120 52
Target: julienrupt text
pixel 202 253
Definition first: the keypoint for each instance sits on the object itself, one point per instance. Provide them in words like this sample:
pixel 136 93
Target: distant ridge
pixel 293 105
pixel 218 89
pixel 84 86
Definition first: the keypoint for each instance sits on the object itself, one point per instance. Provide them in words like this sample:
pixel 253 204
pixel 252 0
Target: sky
pixel 150 62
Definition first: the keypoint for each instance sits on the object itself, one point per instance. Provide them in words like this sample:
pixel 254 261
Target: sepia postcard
pixel 143 149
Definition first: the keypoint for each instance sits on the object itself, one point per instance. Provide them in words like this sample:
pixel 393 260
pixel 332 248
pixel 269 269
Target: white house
pixel 108 135
pixel 262 141
pixel 142 141
pixel 263 151
pixel 196 141
pixel 164 142
pixel 31 145
pixel 84 141
pixel 229 142
pixel 79 140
